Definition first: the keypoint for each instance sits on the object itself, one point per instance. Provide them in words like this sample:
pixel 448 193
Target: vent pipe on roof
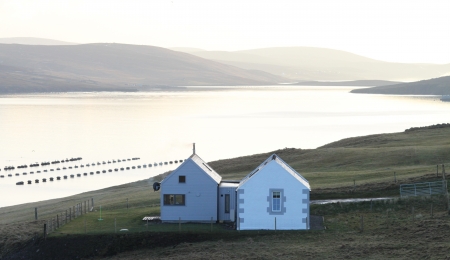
pixel 193 148
pixel 274 157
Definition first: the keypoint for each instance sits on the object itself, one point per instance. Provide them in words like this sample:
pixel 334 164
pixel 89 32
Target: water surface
pixel 162 125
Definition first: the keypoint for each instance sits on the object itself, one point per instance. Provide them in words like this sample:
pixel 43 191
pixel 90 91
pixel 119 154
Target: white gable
pixel 202 165
pixel 283 164
pixel 206 168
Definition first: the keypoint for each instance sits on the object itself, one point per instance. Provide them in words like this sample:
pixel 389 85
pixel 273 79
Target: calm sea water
pixel 161 126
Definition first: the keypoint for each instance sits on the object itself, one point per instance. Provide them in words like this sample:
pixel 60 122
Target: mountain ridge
pixel 435 86
pixel 105 66
pixel 312 63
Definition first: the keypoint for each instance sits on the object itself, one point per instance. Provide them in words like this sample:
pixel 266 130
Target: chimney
pixel 193 149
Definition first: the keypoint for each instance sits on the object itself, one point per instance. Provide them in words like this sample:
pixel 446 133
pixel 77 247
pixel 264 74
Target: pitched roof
pixel 283 164
pixel 206 168
pixel 202 165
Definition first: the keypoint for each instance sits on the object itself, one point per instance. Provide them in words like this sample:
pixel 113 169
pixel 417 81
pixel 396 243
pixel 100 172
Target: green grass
pixel 365 160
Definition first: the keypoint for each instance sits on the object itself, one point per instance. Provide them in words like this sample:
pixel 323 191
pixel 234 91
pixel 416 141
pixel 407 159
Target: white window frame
pixel 276 201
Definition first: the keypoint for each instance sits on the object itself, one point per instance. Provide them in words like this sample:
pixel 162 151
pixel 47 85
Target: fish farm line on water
pixel 10 168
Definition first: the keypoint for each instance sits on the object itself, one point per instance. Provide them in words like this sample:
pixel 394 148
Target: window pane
pixel 276 201
pixel 227 203
pixel 168 199
pixel 179 200
pixel 182 179
pixel 276 205
pixel 276 194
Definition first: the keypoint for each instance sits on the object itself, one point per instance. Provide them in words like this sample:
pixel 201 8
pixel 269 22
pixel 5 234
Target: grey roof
pixel 283 164
pixel 206 168
pixel 202 165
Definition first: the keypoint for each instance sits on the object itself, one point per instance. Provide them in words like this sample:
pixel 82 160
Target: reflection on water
pixel 162 125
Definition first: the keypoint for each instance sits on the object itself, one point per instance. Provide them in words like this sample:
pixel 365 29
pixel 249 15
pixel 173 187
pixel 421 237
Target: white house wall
pixel 254 201
pixel 200 192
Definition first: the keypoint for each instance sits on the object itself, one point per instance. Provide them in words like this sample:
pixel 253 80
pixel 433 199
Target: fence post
pixel 362 223
pixel 275 224
pixel 45 231
pixel 238 224
pixel 387 218
pixel 66 216
pixel 70 214
pixel 307 224
pixel 35 214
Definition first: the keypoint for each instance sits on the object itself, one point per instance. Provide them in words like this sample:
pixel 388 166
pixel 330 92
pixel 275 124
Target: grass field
pixel 353 167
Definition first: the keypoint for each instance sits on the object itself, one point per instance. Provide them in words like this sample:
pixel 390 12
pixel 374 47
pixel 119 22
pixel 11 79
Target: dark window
pixel 182 179
pixel 174 200
pixel 227 203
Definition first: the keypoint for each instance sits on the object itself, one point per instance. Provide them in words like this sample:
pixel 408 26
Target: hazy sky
pixel 392 30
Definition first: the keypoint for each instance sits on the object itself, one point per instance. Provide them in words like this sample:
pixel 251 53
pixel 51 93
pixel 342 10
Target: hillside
pixel 33 41
pixel 352 167
pixel 437 86
pixel 356 83
pixel 366 159
pixel 309 63
pixel 99 67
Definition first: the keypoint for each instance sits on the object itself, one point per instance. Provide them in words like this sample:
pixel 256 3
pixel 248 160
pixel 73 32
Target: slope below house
pixel 86 67
pixel 436 86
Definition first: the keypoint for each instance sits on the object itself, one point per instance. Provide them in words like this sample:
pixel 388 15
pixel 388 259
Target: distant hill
pixel 33 41
pixel 360 83
pixel 437 86
pixel 102 66
pixel 186 49
pixel 309 63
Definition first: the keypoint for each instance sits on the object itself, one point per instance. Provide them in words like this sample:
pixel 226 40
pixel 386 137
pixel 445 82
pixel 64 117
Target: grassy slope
pixel 368 160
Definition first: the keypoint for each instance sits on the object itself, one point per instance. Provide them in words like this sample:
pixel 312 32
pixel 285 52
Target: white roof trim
pixel 283 164
pixel 202 165
pixel 206 168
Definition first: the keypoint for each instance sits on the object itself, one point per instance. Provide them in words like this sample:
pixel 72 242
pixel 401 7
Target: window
pixel 227 203
pixel 174 200
pixel 182 179
pixel 276 201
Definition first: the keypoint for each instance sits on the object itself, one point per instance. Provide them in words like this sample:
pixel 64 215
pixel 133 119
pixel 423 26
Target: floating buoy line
pixel 65 177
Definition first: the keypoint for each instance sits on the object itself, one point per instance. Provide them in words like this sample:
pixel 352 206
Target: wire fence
pixel 423 189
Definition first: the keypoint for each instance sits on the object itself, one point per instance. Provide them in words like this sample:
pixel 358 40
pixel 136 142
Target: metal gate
pixel 422 189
